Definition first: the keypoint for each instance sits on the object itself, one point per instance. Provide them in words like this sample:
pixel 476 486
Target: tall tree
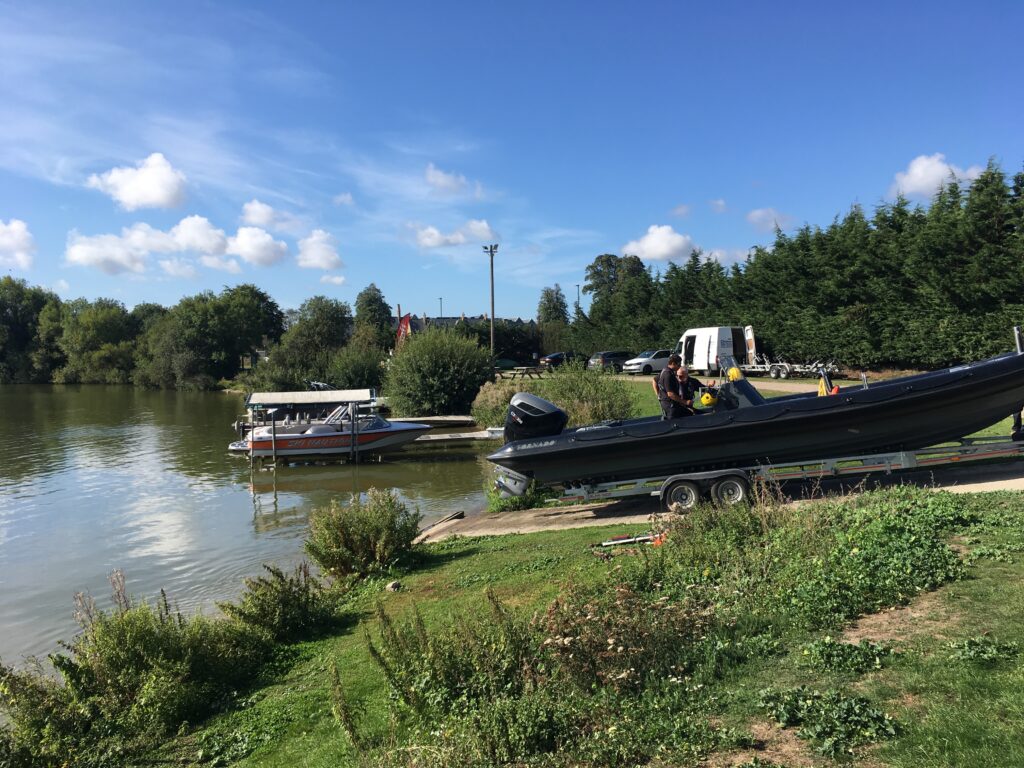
pixel 552 307
pixel 373 319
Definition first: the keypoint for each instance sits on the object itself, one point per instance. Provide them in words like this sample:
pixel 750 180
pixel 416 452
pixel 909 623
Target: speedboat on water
pixel 744 429
pixel 344 431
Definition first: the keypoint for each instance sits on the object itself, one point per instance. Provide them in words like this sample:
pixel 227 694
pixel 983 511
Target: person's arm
pixel 654 385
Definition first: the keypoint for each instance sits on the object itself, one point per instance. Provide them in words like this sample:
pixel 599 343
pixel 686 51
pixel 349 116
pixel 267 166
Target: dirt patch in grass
pixel 930 614
pixel 774 744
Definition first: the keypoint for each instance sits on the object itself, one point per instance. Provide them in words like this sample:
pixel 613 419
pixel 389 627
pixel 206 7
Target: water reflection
pixel 98 478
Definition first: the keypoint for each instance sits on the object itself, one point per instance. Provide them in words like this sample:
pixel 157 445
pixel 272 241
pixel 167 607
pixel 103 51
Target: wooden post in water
pixel 273 435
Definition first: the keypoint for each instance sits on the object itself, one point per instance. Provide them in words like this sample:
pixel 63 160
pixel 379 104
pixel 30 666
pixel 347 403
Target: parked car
pixel 555 359
pixel 505 364
pixel 651 361
pixel 609 360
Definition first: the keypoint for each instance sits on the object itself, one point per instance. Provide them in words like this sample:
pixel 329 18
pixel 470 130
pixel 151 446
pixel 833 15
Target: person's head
pixel 674 361
pixel 682 373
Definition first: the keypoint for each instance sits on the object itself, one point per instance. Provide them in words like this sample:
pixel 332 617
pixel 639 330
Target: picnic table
pixel 523 372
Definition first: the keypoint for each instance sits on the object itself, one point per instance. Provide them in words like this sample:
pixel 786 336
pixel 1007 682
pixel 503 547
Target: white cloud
pixel 61 286
pixel 728 256
pixel 220 263
pixel 153 183
pixel 259 214
pixel 256 246
pixel 111 254
pixel 196 233
pixel 661 243
pixel 178 268
pixel 345 198
pixel 333 279
pixel 681 211
pixel 449 183
pixel 473 230
pixel 16 244
pixel 718 206
pixel 767 219
pixel 926 173
pixel 130 251
pixel 319 251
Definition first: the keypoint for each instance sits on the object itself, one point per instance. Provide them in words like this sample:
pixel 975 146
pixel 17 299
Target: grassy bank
pixel 766 661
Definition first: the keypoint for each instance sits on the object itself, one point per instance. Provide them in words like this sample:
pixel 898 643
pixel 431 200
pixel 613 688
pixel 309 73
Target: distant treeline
pixel 907 287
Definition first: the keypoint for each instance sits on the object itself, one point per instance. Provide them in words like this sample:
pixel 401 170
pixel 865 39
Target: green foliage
pixel 587 396
pixel 982 650
pixel 552 307
pixel 834 722
pixel 835 656
pixel 437 372
pixel 534 497
pixel 373 318
pixel 288 607
pixel 132 675
pixel 361 537
pixel 356 367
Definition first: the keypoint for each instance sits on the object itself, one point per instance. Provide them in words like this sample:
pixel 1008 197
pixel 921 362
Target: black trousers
pixel 673 410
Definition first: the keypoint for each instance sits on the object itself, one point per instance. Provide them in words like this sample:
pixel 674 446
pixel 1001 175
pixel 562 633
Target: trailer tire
pixel 773 372
pixel 682 496
pixel 730 491
pixel 784 372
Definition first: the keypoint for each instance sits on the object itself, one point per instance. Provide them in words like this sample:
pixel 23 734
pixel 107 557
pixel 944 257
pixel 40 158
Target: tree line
pixel 908 286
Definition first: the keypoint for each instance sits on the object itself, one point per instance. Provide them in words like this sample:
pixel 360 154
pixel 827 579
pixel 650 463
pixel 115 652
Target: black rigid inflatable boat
pixel 744 429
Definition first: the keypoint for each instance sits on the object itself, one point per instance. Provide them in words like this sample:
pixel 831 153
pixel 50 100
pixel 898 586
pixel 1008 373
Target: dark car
pixel 555 359
pixel 609 360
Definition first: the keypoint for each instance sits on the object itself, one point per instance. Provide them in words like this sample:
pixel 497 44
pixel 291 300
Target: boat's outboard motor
pixel 532 416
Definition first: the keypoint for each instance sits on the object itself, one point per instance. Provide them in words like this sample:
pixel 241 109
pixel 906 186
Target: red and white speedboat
pixel 339 434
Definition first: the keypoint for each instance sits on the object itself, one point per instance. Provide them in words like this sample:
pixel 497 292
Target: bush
pixel 132 675
pixel 587 396
pixel 286 607
pixel 835 656
pixel 437 372
pixel 362 537
pixel 356 367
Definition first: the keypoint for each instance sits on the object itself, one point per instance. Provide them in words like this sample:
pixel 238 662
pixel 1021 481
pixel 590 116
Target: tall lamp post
pixel 490 250
pixel 440 306
pixel 577 297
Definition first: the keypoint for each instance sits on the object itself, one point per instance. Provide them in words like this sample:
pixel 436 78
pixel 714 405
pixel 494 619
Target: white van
pixel 702 348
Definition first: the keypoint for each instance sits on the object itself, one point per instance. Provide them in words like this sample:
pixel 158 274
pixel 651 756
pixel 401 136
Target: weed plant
pixel 288 607
pixel 828 655
pixel 982 650
pixel 362 537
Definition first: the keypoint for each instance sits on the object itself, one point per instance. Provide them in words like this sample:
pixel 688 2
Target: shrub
pixel 286 607
pixel 587 396
pixel 132 675
pixel 362 536
pixel 983 650
pixel 437 372
pixel 618 638
pixel 356 367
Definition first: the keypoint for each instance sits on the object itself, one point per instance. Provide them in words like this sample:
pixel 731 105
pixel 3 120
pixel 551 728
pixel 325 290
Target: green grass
pixel 947 712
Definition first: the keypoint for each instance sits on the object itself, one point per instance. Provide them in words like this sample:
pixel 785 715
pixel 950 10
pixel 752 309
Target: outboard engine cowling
pixel 532 416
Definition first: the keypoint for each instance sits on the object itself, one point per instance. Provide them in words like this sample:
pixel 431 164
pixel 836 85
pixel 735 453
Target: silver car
pixel 651 361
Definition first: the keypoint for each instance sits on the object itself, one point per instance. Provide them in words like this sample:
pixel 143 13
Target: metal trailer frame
pixel 732 486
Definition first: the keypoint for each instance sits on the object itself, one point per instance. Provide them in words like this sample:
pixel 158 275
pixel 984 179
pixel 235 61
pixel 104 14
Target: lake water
pixel 98 478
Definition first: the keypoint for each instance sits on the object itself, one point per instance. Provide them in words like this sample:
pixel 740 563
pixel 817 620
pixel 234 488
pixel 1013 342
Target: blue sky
pixel 150 151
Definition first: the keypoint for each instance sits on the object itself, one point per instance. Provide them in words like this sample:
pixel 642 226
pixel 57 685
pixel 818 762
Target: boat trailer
pixel 726 487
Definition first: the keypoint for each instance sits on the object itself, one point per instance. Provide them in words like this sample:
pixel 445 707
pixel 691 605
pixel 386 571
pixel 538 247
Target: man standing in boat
pixel 688 389
pixel 666 386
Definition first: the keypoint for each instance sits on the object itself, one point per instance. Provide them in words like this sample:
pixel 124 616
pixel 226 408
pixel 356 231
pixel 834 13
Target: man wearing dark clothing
pixel 688 389
pixel 667 387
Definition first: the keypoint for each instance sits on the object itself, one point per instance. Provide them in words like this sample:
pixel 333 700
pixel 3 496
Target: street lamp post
pixel 490 250
pixel 440 305
pixel 577 296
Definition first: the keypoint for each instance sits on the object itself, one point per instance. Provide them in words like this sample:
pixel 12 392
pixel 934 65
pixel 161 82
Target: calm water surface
pixel 98 478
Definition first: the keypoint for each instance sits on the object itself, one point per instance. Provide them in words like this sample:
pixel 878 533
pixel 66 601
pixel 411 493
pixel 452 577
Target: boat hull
pixel 905 414
pixel 334 443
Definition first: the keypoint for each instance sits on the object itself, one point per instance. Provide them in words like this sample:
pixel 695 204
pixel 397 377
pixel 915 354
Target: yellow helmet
pixel 707 399
pixel 735 374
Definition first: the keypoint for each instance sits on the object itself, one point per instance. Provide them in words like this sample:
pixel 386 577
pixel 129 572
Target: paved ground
pixel 638 510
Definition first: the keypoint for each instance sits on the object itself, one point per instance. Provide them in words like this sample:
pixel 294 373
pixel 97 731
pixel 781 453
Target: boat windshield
pixel 735 391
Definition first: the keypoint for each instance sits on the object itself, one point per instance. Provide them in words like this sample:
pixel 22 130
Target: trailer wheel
pixel 682 496
pixel 784 372
pixel 774 371
pixel 730 491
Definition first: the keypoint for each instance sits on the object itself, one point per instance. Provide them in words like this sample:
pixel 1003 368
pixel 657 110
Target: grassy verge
pixel 773 669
